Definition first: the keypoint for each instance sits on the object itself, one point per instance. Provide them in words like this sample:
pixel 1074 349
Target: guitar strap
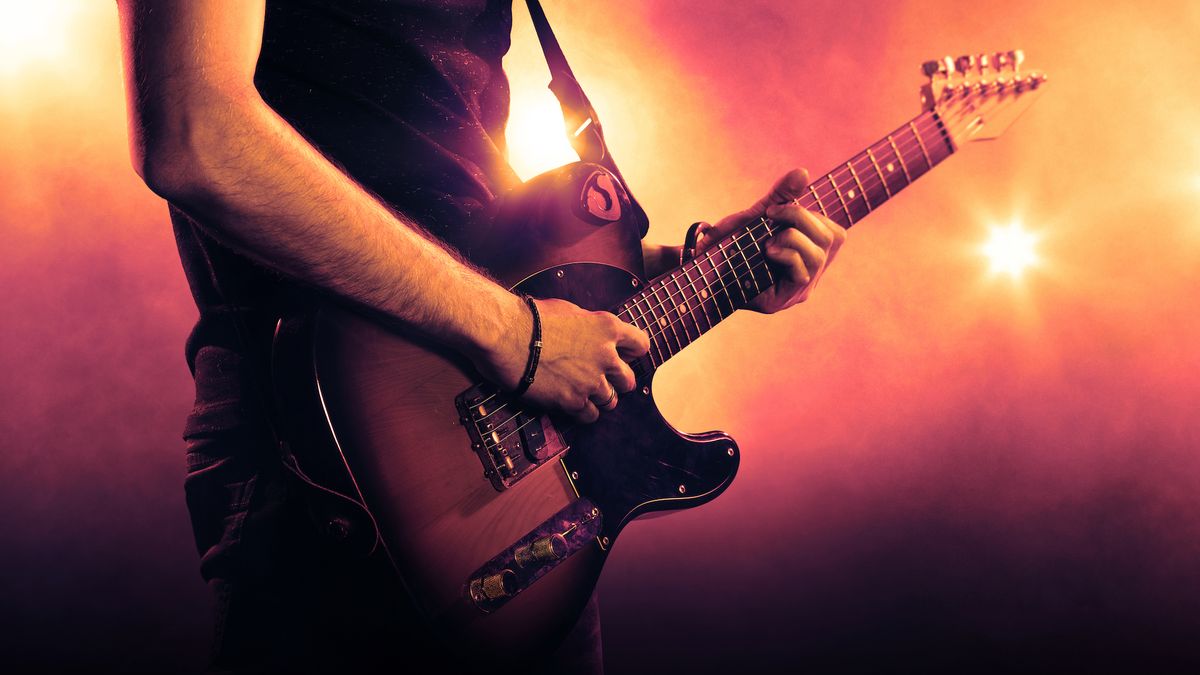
pixel 581 124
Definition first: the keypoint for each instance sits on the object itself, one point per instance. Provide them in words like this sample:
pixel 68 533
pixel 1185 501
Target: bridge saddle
pixel 510 441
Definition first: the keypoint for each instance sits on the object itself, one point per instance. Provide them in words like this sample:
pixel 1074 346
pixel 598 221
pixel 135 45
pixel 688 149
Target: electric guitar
pixel 498 517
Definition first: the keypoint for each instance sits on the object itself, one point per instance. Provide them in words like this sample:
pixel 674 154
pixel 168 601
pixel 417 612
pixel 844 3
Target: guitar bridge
pixel 510 441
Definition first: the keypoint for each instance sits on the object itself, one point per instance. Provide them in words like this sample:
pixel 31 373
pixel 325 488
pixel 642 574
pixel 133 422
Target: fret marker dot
pixel 663 322
pixel 683 308
pixel 891 167
pixel 703 293
pixel 851 193
pixel 746 284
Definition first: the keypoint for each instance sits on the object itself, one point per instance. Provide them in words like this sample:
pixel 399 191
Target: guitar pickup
pixel 509 440
pixel 529 558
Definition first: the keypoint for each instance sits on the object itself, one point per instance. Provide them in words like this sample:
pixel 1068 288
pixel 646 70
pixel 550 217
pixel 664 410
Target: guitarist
pixel 352 149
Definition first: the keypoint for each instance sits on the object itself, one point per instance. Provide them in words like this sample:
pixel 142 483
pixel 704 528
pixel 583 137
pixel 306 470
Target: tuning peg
pixel 1018 57
pixel 931 68
pixel 948 62
pixel 964 64
pixel 1000 61
pixel 983 61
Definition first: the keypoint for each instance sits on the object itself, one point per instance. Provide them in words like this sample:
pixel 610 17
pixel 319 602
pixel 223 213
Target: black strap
pixel 584 132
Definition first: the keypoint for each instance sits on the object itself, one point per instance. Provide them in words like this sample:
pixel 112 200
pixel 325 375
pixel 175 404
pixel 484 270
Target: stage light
pixel 34 31
pixel 1011 250
pixel 536 140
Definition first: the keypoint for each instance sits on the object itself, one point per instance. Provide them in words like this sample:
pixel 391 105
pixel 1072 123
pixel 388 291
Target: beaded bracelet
pixel 535 349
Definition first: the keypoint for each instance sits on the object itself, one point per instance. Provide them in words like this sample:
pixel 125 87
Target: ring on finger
pixel 612 396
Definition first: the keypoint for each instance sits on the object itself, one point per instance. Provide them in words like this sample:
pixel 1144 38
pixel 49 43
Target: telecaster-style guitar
pixel 498 517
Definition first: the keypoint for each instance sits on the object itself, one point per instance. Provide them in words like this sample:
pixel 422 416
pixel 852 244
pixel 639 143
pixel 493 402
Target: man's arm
pixel 205 140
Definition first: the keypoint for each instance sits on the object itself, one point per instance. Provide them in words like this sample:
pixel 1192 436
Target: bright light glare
pixel 34 31
pixel 536 140
pixel 1011 250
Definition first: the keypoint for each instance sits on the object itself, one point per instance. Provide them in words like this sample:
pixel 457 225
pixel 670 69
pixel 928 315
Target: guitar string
pixel 494 444
pixel 673 276
pixel 927 121
pixel 875 179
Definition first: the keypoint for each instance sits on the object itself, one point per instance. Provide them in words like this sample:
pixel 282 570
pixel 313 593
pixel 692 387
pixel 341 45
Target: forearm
pixel 255 184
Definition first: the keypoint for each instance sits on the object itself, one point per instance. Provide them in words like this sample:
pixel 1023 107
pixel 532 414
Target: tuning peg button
pixel 1018 57
pixel 965 64
pixel 931 68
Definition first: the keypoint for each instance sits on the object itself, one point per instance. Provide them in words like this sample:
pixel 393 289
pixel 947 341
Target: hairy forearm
pixel 255 184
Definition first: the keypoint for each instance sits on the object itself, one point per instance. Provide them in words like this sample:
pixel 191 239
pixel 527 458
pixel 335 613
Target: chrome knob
pixel 502 584
pixel 542 550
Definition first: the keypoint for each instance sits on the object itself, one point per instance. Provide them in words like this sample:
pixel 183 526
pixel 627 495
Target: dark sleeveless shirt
pixel 409 98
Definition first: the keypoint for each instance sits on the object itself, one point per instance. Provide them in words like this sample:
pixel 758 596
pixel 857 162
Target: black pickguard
pixel 631 461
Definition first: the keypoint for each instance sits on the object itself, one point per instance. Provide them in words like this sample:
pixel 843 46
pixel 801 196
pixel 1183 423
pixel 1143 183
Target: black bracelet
pixel 535 349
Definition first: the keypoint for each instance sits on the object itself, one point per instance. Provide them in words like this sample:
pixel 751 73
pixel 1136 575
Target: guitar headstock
pixel 978 96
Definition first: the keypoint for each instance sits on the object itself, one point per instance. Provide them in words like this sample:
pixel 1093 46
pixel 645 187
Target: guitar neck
pixel 678 307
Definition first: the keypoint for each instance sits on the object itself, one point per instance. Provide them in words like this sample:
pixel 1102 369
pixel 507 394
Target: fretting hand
pixel 798 254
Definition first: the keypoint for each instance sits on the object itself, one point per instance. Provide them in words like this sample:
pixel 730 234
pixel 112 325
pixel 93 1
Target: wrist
pixel 498 344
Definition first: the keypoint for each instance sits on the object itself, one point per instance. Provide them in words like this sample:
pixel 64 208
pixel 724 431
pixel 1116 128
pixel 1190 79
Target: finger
pixel 621 376
pixel 632 342
pixel 587 414
pixel 806 222
pixel 799 258
pixel 608 400
pixel 839 236
pixel 791 267
pixel 786 189
pixel 792 185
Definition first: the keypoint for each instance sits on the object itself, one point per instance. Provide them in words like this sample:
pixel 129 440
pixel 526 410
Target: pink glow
pixel 932 458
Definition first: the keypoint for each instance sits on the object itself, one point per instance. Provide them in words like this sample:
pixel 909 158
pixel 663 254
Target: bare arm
pixel 204 139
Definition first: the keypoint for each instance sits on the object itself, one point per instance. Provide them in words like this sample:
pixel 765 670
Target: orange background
pixel 942 467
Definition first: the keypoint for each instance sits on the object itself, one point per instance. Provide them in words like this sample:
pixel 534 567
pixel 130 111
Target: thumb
pixel 792 185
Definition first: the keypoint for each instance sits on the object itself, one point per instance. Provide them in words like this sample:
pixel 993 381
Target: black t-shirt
pixel 409 98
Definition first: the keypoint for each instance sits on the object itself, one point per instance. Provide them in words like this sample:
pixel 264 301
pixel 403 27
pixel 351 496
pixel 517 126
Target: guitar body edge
pixel 372 422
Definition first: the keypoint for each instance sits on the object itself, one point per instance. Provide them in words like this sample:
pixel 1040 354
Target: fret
pixel 627 309
pixel 849 218
pixel 720 278
pixel 921 143
pixel 752 281
pixel 893 173
pixel 762 253
pixel 817 197
pixel 647 325
pixel 900 159
pixel 882 180
pixel 858 182
pixel 943 147
pixel 700 299
pixel 683 309
pixel 716 293
pixel 665 323
pixel 639 320
pixel 679 307
pixel 728 262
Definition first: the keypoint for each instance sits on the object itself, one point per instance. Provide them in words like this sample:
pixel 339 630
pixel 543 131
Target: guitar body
pixel 498 519
pixel 373 421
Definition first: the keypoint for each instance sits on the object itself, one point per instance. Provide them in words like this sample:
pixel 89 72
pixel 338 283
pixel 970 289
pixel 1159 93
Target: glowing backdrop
pixel 946 465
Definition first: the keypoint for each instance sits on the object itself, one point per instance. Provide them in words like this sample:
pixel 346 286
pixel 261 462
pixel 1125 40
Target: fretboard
pixel 678 307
